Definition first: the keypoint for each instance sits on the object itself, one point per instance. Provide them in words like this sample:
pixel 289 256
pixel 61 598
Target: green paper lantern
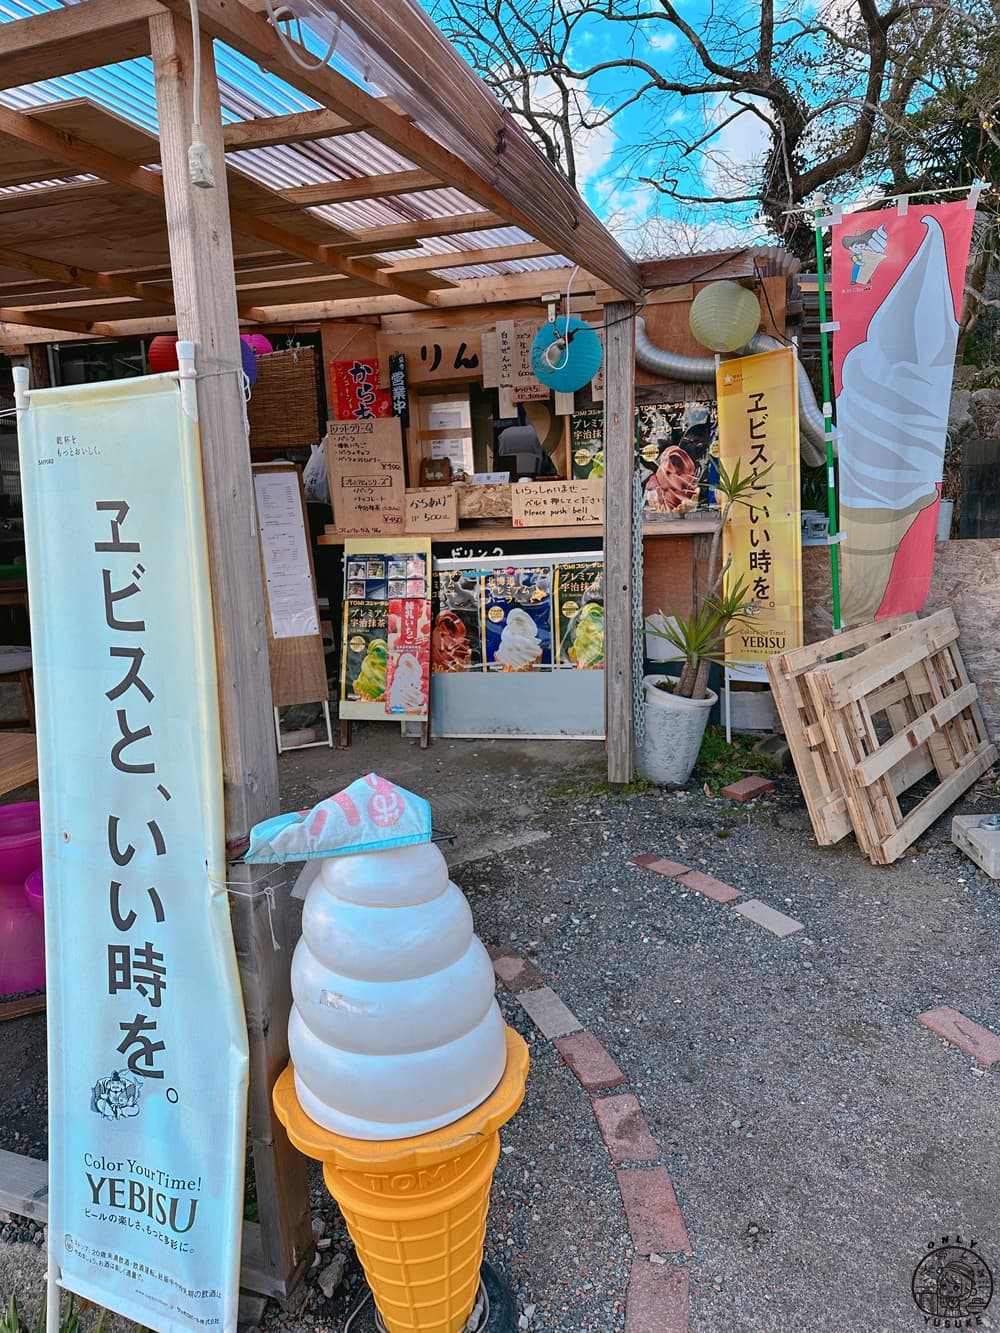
pixel 724 316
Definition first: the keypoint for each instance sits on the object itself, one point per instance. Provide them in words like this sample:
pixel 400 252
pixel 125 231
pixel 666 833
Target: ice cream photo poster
pixel 897 282
pixel 409 657
pixel 519 619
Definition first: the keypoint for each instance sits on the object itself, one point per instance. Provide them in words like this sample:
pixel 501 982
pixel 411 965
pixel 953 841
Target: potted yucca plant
pixel 677 709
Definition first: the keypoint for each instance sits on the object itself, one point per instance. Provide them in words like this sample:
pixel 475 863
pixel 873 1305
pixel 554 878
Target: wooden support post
pixel 619 465
pixel 201 258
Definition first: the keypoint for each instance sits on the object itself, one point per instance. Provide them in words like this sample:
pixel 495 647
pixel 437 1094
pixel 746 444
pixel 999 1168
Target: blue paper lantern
pixel 566 354
pixel 249 362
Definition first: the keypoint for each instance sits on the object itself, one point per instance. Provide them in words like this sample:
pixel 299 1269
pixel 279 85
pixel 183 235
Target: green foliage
pixel 699 636
pixel 812 487
pixel 69 1318
pixel 721 762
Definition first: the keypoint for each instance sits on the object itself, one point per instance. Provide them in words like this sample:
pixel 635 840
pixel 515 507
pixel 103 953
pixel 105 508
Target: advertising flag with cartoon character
pixel 897 284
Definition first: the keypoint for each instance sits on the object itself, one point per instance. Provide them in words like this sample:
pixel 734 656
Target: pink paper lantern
pixel 259 345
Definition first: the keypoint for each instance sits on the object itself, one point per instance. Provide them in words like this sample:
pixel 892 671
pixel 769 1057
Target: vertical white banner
pixel 147 1036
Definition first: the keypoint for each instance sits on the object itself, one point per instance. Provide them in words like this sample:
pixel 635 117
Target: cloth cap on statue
pixel 370 815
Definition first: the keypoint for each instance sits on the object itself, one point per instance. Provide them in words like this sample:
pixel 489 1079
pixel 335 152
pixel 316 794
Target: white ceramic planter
pixel 674 731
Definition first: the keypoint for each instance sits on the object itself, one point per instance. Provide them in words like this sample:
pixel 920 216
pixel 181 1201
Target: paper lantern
pixel 162 354
pixel 566 354
pixel 258 344
pixel 724 316
pixel 249 362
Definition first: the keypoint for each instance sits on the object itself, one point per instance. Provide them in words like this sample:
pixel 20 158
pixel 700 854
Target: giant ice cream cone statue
pixel 892 417
pixel 402 1069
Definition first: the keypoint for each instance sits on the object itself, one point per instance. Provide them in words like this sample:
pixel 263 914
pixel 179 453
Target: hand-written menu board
pixel 557 503
pixel 288 579
pixel 432 509
pixel 364 463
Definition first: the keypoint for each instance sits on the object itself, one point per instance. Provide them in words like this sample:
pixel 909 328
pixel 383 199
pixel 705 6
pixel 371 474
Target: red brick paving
pixel 660 864
pixel 971 1037
pixel 654 1219
pixel 589 1061
pixel 657 1298
pixel 748 789
pixel 624 1130
pixel 710 886
pixel 515 972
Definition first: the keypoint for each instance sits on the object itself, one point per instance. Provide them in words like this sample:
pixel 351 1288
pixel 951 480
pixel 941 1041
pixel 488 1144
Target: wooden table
pixel 18 760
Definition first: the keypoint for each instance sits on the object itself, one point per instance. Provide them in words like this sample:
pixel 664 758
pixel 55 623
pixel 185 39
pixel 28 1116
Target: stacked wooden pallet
pixel 872 713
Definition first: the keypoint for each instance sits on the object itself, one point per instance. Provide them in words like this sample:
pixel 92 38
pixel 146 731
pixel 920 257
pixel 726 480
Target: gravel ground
pixel 817 1137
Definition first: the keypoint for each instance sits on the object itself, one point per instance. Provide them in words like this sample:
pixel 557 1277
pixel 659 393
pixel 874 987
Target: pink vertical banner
pixel 897 284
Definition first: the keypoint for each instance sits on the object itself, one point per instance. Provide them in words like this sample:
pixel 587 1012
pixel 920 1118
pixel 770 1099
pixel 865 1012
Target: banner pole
pixel 831 493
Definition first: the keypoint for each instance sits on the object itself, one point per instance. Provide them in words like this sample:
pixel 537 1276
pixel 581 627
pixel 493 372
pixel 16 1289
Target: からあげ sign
pixel 432 509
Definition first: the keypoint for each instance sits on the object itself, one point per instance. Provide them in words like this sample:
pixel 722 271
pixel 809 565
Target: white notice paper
pixel 287 572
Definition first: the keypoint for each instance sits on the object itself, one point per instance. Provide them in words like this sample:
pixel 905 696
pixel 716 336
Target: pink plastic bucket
pixel 20 841
pixel 22 941
pixel 33 892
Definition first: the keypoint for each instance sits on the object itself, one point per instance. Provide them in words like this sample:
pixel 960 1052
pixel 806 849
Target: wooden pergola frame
pixel 243 251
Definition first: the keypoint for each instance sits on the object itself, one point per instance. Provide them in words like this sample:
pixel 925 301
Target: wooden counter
pixel 506 532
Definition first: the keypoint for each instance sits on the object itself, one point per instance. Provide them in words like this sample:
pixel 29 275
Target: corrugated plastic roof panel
pixel 248 92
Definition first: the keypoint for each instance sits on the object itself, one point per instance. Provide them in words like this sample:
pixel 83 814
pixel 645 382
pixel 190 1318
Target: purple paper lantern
pixel 249 362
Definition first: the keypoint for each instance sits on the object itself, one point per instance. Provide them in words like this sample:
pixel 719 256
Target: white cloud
pixel 660 39
pixel 593 147
pixel 650 224
pixel 729 157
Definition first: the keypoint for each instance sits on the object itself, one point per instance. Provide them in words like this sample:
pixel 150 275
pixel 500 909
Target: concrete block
pixel 981 845
pixel 548 1013
pixel 768 917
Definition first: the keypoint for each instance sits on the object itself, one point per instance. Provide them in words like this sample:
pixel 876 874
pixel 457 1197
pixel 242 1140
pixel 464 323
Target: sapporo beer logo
pixel 952 1284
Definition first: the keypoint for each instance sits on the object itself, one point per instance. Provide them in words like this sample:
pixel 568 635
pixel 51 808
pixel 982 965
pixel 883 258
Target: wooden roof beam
pixel 361 187
pixel 85 277
pixel 96 161
pixel 529 192
pixel 498 254
pixel 504 289
pixel 65 41
pixel 399 233
pixel 300 127
pixel 45 319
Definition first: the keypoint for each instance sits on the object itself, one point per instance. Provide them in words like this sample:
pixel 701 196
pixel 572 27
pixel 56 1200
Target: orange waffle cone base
pixel 416 1207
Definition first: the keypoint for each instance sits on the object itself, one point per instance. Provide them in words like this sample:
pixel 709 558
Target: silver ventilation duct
pixel 701 369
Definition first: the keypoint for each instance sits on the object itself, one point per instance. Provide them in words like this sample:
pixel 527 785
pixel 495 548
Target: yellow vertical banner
pixel 759 429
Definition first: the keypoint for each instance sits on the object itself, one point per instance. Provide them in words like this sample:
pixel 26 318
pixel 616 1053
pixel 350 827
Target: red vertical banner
pixel 897 282
pixel 409 667
pixel 356 392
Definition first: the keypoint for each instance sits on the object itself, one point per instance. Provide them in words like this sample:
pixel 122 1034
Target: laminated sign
pixel 147 1038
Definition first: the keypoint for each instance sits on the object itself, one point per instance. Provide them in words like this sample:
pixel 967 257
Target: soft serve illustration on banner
pixel 898 283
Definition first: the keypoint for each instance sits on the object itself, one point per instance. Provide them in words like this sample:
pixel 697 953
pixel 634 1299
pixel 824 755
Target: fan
pixel 565 354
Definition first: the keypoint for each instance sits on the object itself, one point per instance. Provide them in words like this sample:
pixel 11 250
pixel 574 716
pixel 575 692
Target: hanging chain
pixel 638 623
